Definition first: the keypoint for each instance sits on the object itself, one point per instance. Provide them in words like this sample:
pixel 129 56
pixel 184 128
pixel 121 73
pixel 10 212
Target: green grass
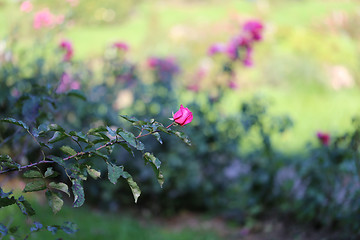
pixel 97 225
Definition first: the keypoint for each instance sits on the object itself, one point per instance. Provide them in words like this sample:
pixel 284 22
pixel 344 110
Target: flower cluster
pixel 67 83
pixel 45 19
pixel 324 138
pixel 240 47
pixel 165 68
pixel 69 51
pixel 26 6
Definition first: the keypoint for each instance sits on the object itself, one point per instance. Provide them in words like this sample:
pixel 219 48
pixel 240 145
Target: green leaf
pixel 76 93
pixel 55 201
pixel 4 202
pixel 155 163
pixel 97 129
pixel 33 174
pixel 36 185
pixel 68 150
pixel 16 122
pixel 127 148
pixel 99 154
pixel 51 173
pixel 60 186
pixel 58 136
pixel 131 139
pixel 111 132
pixel 78 191
pixel 157 135
pixel 55 127
pixel 133 186
pixel 80 136
pixel 114 172
pixel 93 173
pixel 56 159
pixel 6 161
pixel 129 118
pixel 182 136
pixel 25 207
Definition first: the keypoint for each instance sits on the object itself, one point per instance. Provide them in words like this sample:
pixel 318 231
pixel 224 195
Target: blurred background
pixel 275 133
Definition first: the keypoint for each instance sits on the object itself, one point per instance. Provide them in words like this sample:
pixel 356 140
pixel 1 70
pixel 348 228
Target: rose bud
pixel 183 116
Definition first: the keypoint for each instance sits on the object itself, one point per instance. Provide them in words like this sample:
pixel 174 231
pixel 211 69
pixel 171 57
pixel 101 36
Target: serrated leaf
pixel 58 136
pixel 78 192
pixel 133 186
pixel 50 173
pixel 56 127
pixel 6 161
pixel 155 163
pixel 68 150
pixel 56 159
pixel 80 136
pixel 157 135
pixel 182 136
pixel 55 201
pixel 97 129
pixel 131 139
pixel 33 174
pixel 16 122
pixel 127 148
pixel 129 118
pixel 36 185
pixel 111 132
pixel 93 173
pixel 60 186
pixel 114 172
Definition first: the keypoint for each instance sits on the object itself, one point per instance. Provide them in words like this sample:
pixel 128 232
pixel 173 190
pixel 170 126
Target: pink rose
pixel 183 116
pixel 69 51
pixel 324 138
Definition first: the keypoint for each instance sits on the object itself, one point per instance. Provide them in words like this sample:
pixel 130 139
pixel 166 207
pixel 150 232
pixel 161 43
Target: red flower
pixel 324 138
pixel 183 116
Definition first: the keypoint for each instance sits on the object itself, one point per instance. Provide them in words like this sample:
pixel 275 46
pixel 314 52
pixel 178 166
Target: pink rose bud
pixel 121 46
pixel 324 138
pixel 183 116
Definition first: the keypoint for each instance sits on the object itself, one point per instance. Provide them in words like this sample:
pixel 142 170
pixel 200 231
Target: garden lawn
pixel 97 225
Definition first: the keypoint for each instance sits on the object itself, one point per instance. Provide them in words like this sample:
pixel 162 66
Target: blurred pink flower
pixel 324 138
pixel 254 29
pixel 233 84
pixel 121 46
pixel 59 19
pixel 67 83
pixel 216 48
pixel 152 62
pixel 26 6
pixel 43 18
pixel 69 52
pixel 193 87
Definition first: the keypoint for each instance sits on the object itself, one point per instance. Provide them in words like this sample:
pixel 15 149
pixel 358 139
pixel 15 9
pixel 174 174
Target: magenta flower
pixel 69 51
pixel 216 48
pixel 26 6
pixel 233 84
pixel 152 62
pixel 43 18
pixel 254 30
pixel 121 46
pixel 324 138
pixel 183 116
